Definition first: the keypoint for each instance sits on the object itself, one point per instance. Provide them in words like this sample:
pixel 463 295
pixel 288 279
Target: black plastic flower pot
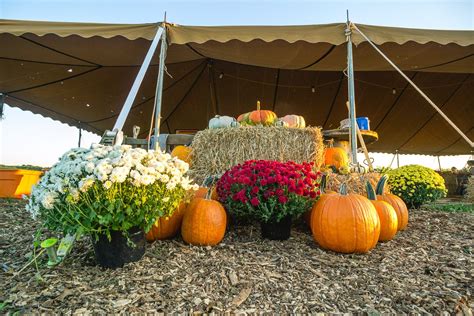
pixel 276 230
pixel 116 252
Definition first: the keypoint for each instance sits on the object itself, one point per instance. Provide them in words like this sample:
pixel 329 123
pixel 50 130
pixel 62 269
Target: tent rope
pixel 471 143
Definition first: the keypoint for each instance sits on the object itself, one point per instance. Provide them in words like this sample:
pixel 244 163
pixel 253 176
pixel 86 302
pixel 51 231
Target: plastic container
pixel 116 252
pixel 363 123
pixel 16 182
pixel 277 230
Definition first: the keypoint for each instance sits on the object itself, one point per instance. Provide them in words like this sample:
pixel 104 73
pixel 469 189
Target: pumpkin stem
pixel 210 183
pixel 258 105
pixel 381 185
pixel 322 184
pixel 343 189
pixel 370 191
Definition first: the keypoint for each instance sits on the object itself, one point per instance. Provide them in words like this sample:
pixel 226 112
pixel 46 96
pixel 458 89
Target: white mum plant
pixel 106 188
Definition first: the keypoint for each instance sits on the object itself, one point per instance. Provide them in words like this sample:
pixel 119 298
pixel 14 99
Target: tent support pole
pixel 471 143
pixel 439 163
pixel 398 159
pixel 351 93
pixel 80 135
pixel 159 86
pixel 127 106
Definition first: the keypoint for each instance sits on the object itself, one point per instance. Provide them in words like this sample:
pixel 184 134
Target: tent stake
pixel 159 86
pixel 471 143
pixel 351 93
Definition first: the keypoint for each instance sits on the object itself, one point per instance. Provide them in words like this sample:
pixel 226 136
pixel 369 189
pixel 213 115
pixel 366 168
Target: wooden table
pixel 341 137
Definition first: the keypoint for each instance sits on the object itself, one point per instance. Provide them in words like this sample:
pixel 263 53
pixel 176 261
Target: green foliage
pixel 416 184
pixel 453 207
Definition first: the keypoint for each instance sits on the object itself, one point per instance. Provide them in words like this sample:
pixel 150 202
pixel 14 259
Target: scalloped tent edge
pixel 225 69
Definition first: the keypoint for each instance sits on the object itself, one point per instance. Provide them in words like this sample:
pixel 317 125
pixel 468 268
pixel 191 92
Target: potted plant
pixel 271 192
pixel 16 181
pixel 113 194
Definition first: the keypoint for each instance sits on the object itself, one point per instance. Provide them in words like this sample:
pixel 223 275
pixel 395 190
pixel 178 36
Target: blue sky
pixel 32 139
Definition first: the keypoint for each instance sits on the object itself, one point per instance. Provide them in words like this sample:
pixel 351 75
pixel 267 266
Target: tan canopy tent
pixel 80 74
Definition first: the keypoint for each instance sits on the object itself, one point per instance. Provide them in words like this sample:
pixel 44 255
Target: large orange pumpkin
pixel 167 227
pixel 182 152
pixel 345 223
pixel 336 156
pixel 258 117
pixel 395 201
pixel 387 215
pixel 204 222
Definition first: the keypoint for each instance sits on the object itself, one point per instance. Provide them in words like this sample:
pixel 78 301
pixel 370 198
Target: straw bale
pixel 216 150
pixel 470 189
pixel 355 181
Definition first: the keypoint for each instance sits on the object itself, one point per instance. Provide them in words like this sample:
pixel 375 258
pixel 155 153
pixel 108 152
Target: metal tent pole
pixel 113 137
pixel 80 135
pixel 351 92
pixel 159 87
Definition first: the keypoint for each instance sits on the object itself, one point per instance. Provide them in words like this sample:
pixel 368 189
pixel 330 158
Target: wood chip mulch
pixel 426 269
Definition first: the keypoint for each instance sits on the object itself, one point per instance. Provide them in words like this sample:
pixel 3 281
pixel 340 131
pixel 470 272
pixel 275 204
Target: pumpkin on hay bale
pixel 216 150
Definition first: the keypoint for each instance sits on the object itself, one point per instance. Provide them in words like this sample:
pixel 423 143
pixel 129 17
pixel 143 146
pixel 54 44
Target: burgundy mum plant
pixel 269 191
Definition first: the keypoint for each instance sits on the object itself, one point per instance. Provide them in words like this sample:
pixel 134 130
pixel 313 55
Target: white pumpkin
pixel 222 122
pixel 296 121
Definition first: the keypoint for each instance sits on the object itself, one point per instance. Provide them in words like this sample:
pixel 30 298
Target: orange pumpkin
pixel 395 201
pixel 345 223
pixel 387 215
pixel 167 227
pixel 336 156
pixel 202 192
pixel 258 117
pixel 204 222
pixel 182 152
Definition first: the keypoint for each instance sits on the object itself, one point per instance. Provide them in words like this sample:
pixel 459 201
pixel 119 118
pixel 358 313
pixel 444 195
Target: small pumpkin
pixel 167 227
pixel 258 117
pixel 395 201
pixel 345 223
pixel 387 215
pixel 222 122
pixel 182 152
pixel 336 156
pixel 204 222
pixel 281 123
pixel 202 192
pixel 296 121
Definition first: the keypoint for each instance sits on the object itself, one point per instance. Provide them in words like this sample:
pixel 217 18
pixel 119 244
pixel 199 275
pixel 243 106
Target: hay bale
pixel 216 150
pixel 355 181
pixel 470 189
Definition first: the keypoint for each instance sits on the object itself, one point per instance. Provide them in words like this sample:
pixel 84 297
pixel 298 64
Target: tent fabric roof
pixel 80 74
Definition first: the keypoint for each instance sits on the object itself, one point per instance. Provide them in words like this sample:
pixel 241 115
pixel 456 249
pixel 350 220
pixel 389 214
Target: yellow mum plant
pixel 416 184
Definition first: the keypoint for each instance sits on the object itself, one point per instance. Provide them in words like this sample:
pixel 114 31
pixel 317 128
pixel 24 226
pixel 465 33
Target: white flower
pixel 107 184
pixel 119 174
pixel 48 200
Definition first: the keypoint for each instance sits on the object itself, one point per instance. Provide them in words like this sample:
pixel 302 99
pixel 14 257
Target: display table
pixel 341 137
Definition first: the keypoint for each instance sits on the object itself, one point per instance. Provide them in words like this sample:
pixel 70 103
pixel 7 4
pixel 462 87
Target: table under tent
pixel 108 77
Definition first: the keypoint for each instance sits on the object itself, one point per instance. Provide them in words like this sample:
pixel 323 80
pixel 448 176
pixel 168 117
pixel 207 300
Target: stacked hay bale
pixel 355 181
pixel 216 150
pixel 470 189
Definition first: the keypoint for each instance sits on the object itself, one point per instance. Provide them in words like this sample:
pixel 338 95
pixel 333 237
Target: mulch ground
pixel 426 269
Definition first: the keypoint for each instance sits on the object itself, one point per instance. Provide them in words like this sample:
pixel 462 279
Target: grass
pixel 453 207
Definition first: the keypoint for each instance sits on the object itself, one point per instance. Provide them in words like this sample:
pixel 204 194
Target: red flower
pixel 254 201
pixel 282 199
pixel 255 190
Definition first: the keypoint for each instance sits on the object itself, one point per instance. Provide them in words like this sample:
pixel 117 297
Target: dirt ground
pixel 426 269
